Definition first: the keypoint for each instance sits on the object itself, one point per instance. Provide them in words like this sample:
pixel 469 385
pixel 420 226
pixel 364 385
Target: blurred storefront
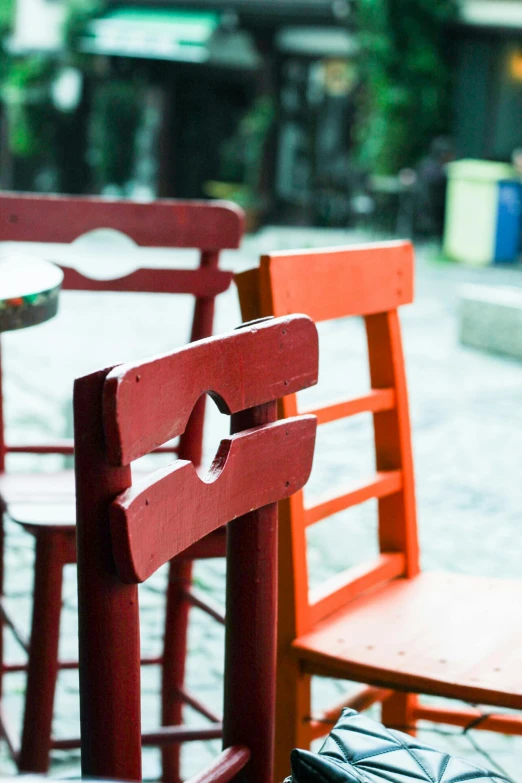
pixel 488 79
pixel 244 99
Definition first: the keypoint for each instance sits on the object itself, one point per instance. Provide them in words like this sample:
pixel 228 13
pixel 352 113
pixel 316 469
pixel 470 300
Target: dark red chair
pixel 126 531
pixel 210 227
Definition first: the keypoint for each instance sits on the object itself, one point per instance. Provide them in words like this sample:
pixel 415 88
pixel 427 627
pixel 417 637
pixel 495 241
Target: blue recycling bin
pixel 483 212
pixel 509 220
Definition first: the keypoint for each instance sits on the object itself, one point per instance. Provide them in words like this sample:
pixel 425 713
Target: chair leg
pixel 174 656
pixel 293 707
pixel 398 712
pixel 42 666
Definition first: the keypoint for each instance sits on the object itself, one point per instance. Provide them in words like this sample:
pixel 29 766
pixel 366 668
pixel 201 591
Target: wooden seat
pixel 383 622
pixel 127 530
pixel 37 487
pixel 415 633
pixel 44 503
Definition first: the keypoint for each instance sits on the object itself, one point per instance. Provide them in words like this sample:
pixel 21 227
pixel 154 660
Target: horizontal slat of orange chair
pixel 381 485
pixel 337 591
pixel 361 700
pixel 471 718
pixel 108 629
pixel 376 400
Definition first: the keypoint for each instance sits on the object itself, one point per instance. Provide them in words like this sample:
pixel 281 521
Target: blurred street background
pixel 330 122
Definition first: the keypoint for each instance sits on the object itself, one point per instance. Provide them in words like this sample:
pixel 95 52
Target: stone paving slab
pixel 466 417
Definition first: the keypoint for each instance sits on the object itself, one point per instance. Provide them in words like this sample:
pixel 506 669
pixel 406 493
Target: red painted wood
pixel 2 429
pixel 206 226
pixel 268 463
pixel 43 668
pixel 260 450
pixel 177 607
pixel 141 424
pixel 109 648
pixel 200 282
pixel 251 612
pixel 177 610
pixel 225 767
pixel 163 223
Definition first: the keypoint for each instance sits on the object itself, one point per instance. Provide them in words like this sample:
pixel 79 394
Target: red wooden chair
pixel 384 623
pixel 210 227
pixel 126 531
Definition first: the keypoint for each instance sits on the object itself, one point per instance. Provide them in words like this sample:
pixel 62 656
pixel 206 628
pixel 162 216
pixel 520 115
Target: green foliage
pixel 25 82
pixel 7 9
pixel 405 98
pixel 25 94
pixel 117 112
pixel 242 153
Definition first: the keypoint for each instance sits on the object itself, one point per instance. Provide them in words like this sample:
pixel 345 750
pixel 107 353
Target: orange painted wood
pixel 141 424
pixel 344 280
pixel 148 530
pixel 444 634
pixel 361 700
pixel 206 225
pixel 384 483
pixel 370 281
pixel 504 724
pixel 225 767
pixel 392 436
pixel 342 588
pixel 376 400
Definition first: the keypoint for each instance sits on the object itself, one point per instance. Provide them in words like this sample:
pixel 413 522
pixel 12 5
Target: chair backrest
pixel 370 281
pixel 207 226
pixel 125 531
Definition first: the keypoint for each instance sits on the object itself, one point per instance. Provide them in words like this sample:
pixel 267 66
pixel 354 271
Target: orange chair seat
pixel 445 634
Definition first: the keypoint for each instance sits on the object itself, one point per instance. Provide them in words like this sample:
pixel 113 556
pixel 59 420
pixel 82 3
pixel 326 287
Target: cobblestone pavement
pixel 467 421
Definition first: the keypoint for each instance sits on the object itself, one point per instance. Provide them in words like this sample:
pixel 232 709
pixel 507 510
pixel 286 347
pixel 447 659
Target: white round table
pixel 29 289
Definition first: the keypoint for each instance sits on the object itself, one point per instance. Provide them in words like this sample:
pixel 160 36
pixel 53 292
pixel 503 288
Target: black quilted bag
pixel 359 750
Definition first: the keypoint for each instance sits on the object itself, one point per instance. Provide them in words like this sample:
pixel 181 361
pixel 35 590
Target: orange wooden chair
pixel 42 502
pixel 127 530
pixel 384 623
